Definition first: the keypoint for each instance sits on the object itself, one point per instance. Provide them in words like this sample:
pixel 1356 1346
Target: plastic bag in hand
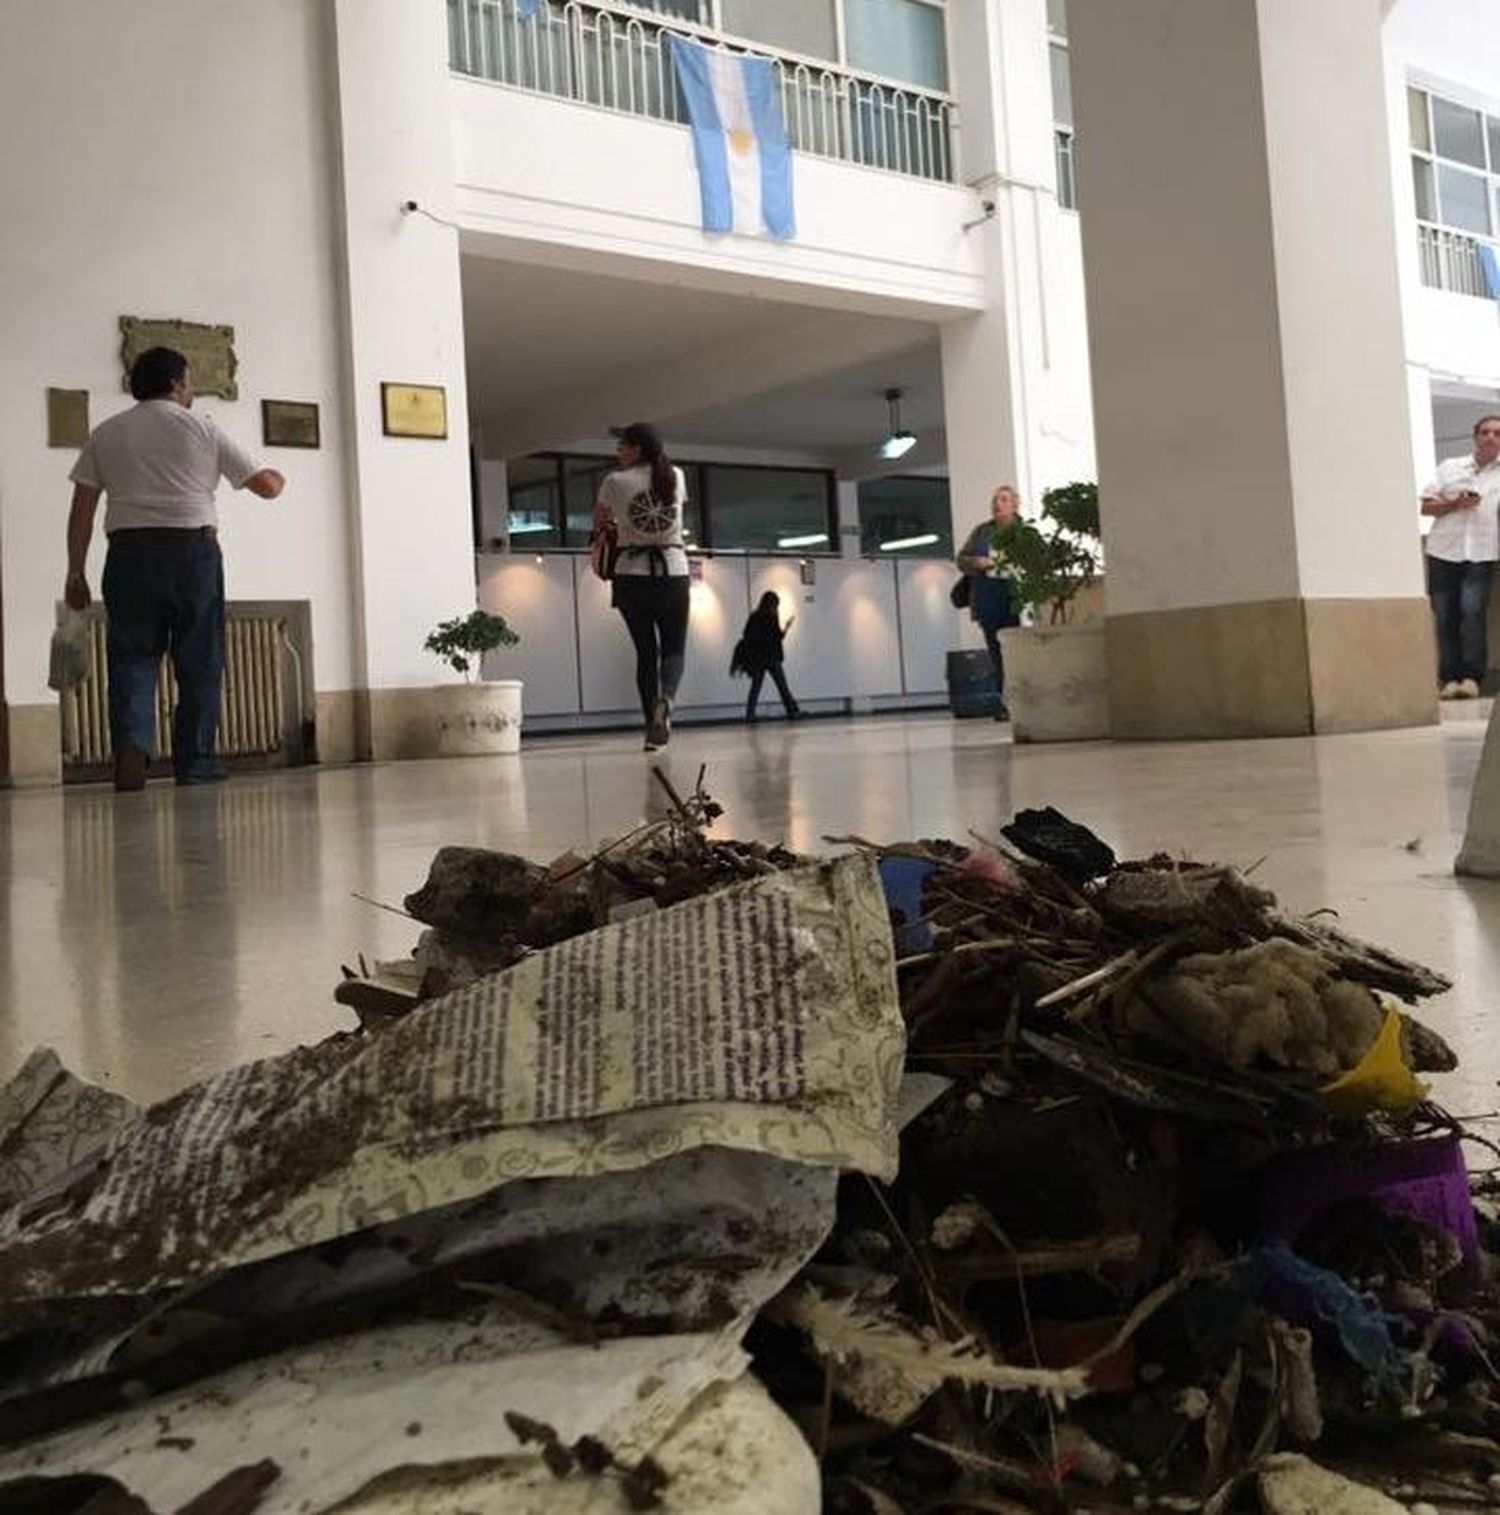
pixel 68 665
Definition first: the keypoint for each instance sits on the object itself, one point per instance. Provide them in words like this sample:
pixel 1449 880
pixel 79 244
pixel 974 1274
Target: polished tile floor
pixel 155 938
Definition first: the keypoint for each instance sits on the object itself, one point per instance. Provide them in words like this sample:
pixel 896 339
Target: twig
pixel 1016 1474
pixel 1156 1300
pixel 1082 985
pixel 1044 1262
pixel 825 1416
pixel 675 798
pixel 911 1251
pixel 366 899
pixel 994 945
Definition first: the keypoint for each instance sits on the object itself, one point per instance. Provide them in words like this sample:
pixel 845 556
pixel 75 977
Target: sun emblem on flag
pixel 741 140
pixel 652 517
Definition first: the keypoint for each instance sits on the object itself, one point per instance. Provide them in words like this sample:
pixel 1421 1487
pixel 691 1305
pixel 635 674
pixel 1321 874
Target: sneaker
pixel 1468 689
pixel 1452 690
pixel 659 727
pixel 130 768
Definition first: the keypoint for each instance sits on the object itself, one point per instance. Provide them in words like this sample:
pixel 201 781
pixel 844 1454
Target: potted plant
pixel 1055 681
pixel 480 715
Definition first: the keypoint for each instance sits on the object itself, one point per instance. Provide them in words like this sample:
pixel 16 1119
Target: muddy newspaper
pixel 763 1018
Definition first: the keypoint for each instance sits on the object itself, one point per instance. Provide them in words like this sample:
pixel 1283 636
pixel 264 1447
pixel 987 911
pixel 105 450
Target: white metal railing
pixel 621 61
pixel 1450 260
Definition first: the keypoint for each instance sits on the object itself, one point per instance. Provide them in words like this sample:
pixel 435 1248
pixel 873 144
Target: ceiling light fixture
pixel 896 544
pixel 897 442
pixel 813 539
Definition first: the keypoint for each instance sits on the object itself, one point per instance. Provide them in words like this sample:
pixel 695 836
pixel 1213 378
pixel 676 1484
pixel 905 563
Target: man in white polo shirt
pixel 160 465
pixel 1463 497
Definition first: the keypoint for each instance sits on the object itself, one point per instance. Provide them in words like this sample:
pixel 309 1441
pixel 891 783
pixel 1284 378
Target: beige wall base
pixel 33 744
pixel 401 723
pixel 1271 668
pixel 343 726
pixel 1373 662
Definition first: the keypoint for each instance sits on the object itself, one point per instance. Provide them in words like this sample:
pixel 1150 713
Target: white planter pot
pixel 474 720
pixel 1055 683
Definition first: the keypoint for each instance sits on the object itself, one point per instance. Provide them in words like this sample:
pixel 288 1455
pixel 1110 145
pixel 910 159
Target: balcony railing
pixel 622 62
pixel 1450 260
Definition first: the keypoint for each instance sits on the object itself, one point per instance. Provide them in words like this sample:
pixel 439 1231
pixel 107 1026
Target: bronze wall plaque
pixel 414 410
pixel 289 423
pixel 208 349
pixel 67 417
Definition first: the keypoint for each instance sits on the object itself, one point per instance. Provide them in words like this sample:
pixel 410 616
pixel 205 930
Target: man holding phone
pixel 1463 497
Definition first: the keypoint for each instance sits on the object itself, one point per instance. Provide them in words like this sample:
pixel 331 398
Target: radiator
pixel 252 708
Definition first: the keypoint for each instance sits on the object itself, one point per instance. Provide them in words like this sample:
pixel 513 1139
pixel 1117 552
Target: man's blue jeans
pixel 1460 595
pixel 164 593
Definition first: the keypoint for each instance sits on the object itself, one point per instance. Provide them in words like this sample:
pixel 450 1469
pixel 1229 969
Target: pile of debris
pixel 1027 1180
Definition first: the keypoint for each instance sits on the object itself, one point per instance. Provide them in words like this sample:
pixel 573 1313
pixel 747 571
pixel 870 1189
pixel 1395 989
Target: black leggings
pixel 655 608
pixel 779 679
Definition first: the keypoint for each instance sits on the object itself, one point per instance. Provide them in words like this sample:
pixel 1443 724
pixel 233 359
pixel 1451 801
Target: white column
pixel 411 497
pixel 993 361
pixel 1250 397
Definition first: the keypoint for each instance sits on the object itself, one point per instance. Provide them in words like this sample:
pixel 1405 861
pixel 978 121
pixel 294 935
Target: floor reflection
pixel 155 938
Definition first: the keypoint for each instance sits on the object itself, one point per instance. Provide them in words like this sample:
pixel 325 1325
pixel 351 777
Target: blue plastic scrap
pixel 1308 1295
pixel 902 879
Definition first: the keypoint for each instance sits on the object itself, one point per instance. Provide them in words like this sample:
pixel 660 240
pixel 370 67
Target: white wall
pixel 157 160
pixel 593 185
pixel 852 639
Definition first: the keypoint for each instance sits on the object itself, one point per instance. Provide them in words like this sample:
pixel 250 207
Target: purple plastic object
pixel 1422 1180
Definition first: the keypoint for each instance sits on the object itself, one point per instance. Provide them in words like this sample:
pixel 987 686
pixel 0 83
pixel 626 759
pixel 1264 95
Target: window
pixel 533 494
pixel 1458 133
pixel 769 509
pixel 1063 144
pixel 905 510
pixel 551 502
pixel 799 26
pixel 1455 165
pixel 901 39
pixel 1463 200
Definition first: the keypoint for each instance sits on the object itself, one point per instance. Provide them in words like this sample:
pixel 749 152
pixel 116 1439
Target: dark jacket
pixel 759 646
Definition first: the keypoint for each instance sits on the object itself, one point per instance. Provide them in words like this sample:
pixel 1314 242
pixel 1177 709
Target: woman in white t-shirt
pixel 644 498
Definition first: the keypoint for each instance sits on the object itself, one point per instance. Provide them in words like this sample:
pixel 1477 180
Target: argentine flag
pixel 1489 263
pixel 739 140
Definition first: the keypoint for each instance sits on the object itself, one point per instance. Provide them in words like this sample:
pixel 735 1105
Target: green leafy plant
pixel 464 640
pixel 1049 563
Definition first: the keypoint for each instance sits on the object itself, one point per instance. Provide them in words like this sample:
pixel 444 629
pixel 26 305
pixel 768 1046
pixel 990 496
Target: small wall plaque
pixel 67 417
pixel 289 423
pixel 208 349
pixel 414 410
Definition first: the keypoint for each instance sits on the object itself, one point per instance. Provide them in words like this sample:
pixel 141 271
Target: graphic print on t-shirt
pixel 650 516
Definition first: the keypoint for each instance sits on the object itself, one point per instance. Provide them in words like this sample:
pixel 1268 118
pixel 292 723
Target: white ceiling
pixel 838 411
pixel 537 333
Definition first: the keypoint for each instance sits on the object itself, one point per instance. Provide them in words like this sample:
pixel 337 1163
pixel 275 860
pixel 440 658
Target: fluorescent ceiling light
pixel 526 528
pixel 815 539
pixel 925 540
pixel 898 441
